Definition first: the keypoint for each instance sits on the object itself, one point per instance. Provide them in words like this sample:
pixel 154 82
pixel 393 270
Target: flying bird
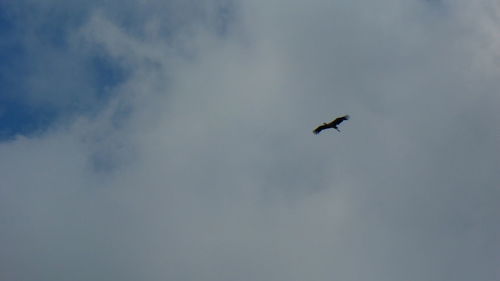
pixel 332 124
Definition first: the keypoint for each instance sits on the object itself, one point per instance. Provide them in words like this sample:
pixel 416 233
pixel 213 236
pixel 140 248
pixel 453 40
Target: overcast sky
pixel 172 140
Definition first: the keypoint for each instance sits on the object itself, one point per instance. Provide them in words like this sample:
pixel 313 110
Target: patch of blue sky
pixel 18 118
pixel 20 61
pixel 35 46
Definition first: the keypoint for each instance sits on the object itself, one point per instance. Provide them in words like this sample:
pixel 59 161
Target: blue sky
pixel 28 36
pixel 37 38
pixel 172 140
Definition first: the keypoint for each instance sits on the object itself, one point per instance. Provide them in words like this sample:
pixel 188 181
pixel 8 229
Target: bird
pixel 332 124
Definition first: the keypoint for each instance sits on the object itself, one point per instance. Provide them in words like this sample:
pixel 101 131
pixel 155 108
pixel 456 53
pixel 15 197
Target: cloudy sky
pixel 171 140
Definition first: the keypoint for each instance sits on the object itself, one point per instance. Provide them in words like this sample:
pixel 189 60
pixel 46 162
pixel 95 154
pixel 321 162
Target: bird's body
pixel 331 125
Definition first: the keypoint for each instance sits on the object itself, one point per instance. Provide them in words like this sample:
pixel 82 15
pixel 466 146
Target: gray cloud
pixel 202 165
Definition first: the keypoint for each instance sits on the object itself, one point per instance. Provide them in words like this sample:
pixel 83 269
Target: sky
pixel 172 140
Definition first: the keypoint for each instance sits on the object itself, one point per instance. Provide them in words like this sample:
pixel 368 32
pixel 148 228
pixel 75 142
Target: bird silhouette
pixel 331 125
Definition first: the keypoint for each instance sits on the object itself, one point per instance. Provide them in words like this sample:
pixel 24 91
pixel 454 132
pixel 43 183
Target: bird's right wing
pixel 340 120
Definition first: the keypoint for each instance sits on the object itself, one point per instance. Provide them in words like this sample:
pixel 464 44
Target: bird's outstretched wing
pixel 339 120
pixel 320 128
